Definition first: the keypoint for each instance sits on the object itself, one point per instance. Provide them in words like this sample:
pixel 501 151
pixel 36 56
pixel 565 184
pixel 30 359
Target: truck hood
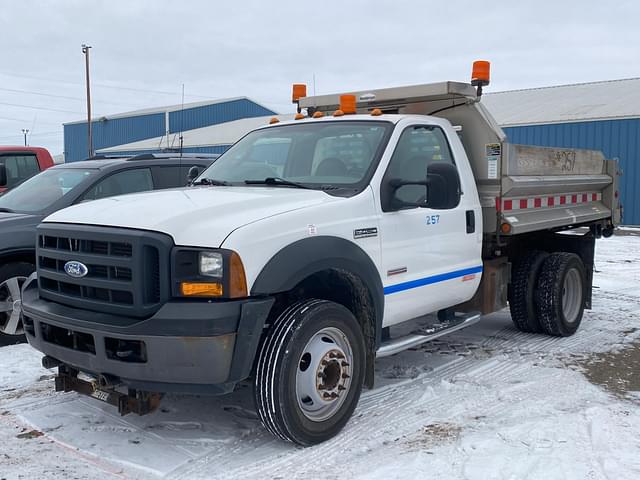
pixel 208 214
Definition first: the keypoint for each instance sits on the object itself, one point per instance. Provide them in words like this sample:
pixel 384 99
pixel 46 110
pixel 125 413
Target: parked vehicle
pixel 18 164
pixel 24 207
pixel 298 269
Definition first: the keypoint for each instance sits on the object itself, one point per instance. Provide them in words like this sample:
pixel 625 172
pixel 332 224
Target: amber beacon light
pixel 480 75
pixel 348 104
pixel 299 91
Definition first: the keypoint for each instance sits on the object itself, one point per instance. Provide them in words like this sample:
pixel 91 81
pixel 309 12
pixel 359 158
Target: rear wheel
pixel 560 294
pixel 310 372
pixel 524 276
pixel 12 277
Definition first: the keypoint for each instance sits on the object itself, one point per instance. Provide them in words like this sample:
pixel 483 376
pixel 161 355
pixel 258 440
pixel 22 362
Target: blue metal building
pixel 125 128
pixel 599 116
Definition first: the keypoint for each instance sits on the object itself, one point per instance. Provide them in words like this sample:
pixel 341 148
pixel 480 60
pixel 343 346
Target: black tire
pixel 280 358
pixel 552 298
pixel 8 271
pixel 524 276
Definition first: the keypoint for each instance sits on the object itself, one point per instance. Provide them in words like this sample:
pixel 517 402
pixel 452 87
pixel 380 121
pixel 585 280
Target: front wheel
pixel 310 372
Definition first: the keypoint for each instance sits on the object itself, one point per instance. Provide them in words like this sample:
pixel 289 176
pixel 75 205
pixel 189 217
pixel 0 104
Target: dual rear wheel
pixel 547 293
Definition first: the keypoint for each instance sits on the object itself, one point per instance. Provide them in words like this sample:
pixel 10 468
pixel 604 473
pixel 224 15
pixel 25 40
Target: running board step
pixel 397 345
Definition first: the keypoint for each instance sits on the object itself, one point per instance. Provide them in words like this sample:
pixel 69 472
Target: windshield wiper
pixel 211 181
pixel 278 181
pixel 6 210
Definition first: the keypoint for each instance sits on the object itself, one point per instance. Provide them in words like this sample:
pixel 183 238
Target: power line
pixel 52 95
pixel 43 134
pixel 104 85
pixel 11 119
pixel 40 108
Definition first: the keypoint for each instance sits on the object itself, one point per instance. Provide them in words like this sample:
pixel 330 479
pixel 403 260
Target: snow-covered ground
pixel 484 403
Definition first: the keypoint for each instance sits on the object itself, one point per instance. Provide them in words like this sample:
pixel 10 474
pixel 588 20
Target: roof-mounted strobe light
pixel 299 91
pixel 348 104
pixel 480 75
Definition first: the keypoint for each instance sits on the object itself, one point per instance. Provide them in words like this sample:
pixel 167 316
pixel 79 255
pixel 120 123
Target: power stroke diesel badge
pixel 76 269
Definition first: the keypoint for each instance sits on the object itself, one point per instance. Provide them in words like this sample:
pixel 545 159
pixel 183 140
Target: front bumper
pixel 186 346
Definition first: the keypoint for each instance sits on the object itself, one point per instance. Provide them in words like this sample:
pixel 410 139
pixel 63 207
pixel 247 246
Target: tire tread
pixel 521 295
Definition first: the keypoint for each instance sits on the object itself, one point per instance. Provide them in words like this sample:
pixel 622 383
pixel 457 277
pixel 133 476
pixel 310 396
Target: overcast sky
pixel 144 50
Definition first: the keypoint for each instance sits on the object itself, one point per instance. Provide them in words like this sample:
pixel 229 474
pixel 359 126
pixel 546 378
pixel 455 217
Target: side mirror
pixel 193 174
pixel 444 186
pixel 440 190
pixel 3 175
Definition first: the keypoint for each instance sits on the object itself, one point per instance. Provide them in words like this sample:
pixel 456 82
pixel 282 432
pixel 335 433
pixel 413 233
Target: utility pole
pixel 25 131
pixel 85 50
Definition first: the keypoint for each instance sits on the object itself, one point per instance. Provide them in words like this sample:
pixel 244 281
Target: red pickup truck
pixel 17 164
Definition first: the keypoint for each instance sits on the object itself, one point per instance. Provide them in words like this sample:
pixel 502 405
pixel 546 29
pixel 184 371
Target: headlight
pixel 207 273
pixel 211 264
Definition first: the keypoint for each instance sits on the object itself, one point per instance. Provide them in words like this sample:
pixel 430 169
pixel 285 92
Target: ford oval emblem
pixel 76 269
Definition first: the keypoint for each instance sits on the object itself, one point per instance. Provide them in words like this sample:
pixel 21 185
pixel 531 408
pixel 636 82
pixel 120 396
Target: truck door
pixel 430 257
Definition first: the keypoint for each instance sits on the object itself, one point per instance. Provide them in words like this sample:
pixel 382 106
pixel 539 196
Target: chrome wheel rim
pixel 323 376
pixel 572 295
pixel 11 306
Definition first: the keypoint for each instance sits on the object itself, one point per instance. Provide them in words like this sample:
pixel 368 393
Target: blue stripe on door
pixel 421 282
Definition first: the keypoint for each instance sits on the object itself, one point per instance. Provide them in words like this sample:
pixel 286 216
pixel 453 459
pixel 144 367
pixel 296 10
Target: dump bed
pixel 522 188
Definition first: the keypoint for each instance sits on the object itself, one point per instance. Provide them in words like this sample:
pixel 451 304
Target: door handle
pixel 471 221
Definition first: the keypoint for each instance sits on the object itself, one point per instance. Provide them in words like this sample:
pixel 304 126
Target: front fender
pixel 303 258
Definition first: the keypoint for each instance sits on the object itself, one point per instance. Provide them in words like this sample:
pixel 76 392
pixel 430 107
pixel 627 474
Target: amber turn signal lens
pixel 348 103
pixel 237 278
pixel 480 75
pixel 318 115
pixel 299 91
pixel 273 120
pixel 338 113
pixel 376 112
pixel 299 116
pixel 193 289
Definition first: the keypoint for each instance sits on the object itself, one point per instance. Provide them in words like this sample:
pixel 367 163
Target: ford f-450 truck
pixel 296 258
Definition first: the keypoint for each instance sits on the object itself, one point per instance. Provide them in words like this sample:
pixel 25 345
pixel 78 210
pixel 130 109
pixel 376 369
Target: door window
pixel 418 147
pixel 19 168
pixel 129 181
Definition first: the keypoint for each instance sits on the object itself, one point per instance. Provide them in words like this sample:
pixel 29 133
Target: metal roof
pixel 167 108
pixel 607 100
pixel 226 133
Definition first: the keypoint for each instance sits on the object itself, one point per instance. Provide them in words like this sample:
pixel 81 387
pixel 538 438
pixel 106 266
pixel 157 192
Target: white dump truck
pixel 296 259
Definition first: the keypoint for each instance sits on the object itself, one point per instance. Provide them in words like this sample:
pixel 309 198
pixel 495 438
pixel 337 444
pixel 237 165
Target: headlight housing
pixel 207 273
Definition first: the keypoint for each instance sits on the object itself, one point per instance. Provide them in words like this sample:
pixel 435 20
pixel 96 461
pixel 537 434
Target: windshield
pixel 329 154
pixel 40 192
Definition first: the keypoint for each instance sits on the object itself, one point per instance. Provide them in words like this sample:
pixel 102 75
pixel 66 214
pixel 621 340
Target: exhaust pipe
pixel 50 362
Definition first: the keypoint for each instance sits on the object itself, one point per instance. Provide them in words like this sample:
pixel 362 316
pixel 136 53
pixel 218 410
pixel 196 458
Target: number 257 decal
pixel 433 219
